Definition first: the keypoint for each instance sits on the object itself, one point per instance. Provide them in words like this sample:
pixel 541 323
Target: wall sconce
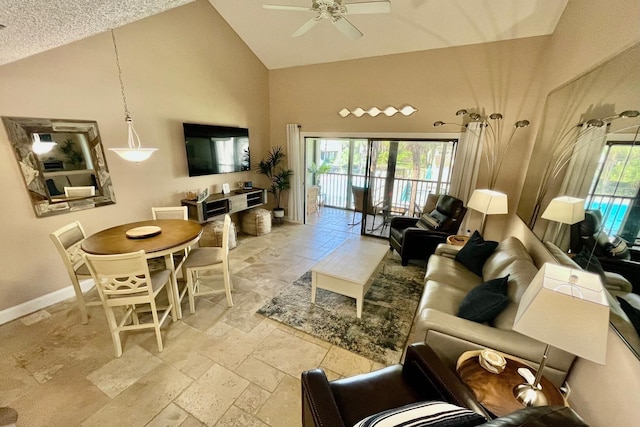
pixel 494 150
pixel 406 110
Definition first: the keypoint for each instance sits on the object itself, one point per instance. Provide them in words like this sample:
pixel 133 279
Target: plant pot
pixel 278 213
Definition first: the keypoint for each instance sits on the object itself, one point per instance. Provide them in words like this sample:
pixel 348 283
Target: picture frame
pixel 225 188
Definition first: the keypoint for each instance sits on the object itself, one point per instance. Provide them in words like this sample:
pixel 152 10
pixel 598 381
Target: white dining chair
pixel 205 259
pixel 124 280
pixel 67 240
pixel 173 212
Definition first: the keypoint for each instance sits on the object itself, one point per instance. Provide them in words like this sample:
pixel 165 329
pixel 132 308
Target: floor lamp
pixel 565 308
pixel 488 202
pixel 565 210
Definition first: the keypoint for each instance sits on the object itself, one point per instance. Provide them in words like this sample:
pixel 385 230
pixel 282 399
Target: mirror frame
pixel 20 130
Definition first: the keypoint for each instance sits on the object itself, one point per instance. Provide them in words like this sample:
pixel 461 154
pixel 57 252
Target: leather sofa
pixel 417 238
pixel 423 377
pixel 447 282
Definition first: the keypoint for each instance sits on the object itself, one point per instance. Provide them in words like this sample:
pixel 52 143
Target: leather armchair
pixel 588 234
pixel 423 377
pixel 417 238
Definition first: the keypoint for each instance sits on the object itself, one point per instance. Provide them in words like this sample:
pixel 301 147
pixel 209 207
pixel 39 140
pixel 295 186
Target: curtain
pixel 578 178
pixel 295 159
pixel 466 166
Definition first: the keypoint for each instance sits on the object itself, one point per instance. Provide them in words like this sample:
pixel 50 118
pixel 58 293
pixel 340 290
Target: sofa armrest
pixel 402 222
pixel 560 416
pixel 319 408
pixel 422 364
pixel 449 251
pixel 616 282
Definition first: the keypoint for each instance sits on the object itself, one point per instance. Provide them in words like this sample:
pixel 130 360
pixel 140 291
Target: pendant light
pixel 135 152
pixel 42 147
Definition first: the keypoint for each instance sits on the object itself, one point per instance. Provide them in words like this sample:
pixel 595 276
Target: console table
pixel 216 205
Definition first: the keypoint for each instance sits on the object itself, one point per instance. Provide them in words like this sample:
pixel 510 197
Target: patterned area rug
pixel 388 311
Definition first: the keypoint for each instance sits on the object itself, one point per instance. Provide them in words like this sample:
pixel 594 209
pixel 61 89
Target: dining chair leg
pixel 114 329
pixel 82 306
pixel 191 291
pixel 156 323
pixel 227 286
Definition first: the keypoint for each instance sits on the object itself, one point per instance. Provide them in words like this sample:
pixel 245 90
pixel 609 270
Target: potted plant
pixel 278 176
pixel 316 171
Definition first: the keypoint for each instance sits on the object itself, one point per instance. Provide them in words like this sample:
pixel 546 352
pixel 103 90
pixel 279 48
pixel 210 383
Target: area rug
pixel 388 311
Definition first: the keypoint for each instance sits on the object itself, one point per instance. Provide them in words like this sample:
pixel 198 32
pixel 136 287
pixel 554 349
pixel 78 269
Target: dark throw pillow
pixel 475 252
pixel 589 262
pixel 485 301
pixel 632 313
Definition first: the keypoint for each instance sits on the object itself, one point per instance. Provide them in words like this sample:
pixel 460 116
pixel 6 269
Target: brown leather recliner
pixel 423 377
pixel 417 238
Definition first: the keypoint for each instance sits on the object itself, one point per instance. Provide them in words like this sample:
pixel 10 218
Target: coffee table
pixel 348 270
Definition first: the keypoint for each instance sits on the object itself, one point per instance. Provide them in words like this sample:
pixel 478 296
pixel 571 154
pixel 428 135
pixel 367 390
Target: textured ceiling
pixel 33 26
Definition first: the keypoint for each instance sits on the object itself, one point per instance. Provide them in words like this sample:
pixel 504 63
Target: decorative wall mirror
pixel 594 121
pixel 62 163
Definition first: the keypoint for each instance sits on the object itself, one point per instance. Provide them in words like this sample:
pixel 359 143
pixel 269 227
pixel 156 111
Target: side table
pixel 457 240
pixel 495 391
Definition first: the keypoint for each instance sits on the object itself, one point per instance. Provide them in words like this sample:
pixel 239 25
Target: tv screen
pixel 216 149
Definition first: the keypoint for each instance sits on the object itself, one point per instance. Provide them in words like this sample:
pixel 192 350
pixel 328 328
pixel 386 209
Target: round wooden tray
pixel 495 391
pixel 143 232
pixel 457 240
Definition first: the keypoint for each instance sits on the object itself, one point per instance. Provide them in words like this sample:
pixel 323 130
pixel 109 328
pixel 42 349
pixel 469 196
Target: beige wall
pixel 183 65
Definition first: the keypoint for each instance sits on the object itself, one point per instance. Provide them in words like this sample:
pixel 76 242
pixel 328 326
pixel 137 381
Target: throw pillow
pixel 632 313
pixel 589 262
pixel 436 414
pixel 619 249
pixel 426 222
pixel 475 252
pixel 485 301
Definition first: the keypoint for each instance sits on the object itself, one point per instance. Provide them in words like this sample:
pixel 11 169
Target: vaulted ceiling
pixel 33 26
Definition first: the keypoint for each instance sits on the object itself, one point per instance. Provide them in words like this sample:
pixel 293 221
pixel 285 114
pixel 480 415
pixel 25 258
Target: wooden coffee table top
pixel 495 391
pixel 355 260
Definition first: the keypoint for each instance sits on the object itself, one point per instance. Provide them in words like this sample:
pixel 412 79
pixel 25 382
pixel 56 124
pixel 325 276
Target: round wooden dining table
pixel 174 236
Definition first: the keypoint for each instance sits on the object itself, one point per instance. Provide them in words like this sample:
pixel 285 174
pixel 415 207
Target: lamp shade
pixel 488 202
pixel 567 309
pixel 565 209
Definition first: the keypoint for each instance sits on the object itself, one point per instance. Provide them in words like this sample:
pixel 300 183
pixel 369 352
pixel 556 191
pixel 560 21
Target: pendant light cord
pixel 127 114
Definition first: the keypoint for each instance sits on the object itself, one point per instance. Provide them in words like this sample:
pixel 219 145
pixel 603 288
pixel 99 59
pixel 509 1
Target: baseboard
pixel 20 310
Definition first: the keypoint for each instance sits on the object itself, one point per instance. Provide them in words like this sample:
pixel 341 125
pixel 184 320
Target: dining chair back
pixel 124 280
pixel 205 259
pixel 313 194
pixel 82 191
pixel 67 240
pixel 170 212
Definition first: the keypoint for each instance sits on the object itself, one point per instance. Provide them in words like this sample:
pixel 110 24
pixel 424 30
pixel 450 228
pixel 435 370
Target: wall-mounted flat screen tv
pixel 216 149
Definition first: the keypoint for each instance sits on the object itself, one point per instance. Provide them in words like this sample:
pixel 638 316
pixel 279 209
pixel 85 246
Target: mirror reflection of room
pixel 66 163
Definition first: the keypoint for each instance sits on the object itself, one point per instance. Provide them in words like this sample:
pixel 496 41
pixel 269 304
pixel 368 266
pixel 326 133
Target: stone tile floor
pixel 220 366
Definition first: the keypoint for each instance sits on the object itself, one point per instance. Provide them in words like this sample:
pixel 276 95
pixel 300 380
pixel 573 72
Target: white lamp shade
pixel 134 154
pixel 567 309
pixel 488 202
pixel 565 209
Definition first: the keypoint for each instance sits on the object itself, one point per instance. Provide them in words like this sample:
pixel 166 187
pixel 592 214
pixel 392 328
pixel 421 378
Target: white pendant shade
pixel 133 153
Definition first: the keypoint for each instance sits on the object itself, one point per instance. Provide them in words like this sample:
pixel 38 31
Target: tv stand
pixel 219 204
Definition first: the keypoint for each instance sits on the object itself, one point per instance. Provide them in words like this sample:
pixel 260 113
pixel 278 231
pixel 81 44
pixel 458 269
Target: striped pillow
pixel 423 414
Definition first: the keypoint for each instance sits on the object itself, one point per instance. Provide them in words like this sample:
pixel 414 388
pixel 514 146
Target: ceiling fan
pixel 335 10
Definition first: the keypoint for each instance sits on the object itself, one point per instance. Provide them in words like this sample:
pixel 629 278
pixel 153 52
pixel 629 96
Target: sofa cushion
pixel 397 234
pixel 485 301
pixel 442 297
pixel 475 252
pixel 447 270
pixel 521 273
pixel 507 251
pixel 432 413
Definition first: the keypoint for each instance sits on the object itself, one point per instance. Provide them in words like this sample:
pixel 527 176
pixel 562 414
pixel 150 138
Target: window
pixel 615 190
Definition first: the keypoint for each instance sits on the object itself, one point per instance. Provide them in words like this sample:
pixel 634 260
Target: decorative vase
pixel 278 213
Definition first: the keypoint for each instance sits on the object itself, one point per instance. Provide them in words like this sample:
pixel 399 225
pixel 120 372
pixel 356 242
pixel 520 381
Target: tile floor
pixel 220 367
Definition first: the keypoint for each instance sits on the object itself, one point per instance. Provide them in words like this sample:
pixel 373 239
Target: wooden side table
pixel 495 391
pixel 457 240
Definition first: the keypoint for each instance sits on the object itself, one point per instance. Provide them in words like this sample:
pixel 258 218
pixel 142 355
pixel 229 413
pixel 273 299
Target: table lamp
pixel 488 202
pixel 565 210
pixel 565 308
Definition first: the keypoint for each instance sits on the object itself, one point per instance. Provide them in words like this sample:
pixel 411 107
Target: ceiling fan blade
pixel 294 8
pixel 346 27
pixel 368 7
pixel 306 26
